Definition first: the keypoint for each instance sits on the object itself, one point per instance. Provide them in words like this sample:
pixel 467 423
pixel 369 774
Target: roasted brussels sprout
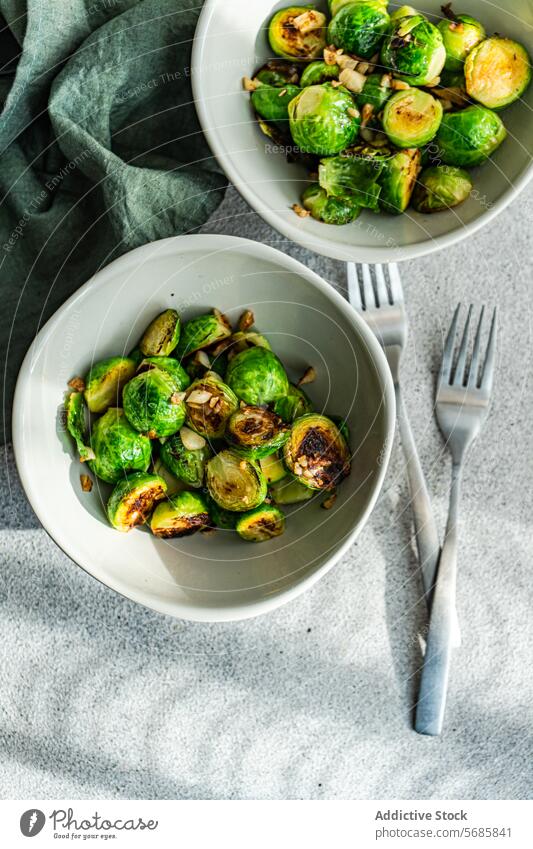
pixel 234 482
pixel 295 403
pixel 202 331
pixel 279 73
pixel 497 72
pixel 318 72
pixel 398 179
pixel 375 92
pixel 352 175
pixel 323 120
pixel 297 32
pixel 76 424
pixel 210 402
pixel 413 50
pixel 469 137
pixel 153 403
pixel 170 365
pixel 329 210
pixel 412 117
pixel 180 515
pixel 162 335
pixel 272 103
pixel 255 432
pixel 263 523
pixel 316 452
pixel 290 491
pixel 273 468
pixel 118 447
pixel 257 377
pixel 441 187
pixel 460 33
pixel 220 518
pixel 188 464
pixel 105 381
pixel 359 27
pixel 133 499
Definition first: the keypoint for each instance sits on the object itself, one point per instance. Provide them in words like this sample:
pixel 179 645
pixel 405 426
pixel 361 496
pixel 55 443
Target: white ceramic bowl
pixel 204 577
pixel 231 42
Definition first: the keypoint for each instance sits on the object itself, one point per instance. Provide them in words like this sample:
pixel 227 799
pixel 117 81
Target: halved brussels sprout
pixel 497 72
pixel 412 117
pixel 469 137
pixel 255 432
pixel 153 403
pixel 162 335
pixel 376 91
pixel 352 175
pixel 105 381
pixel 133 499
pixel 187 464
pixel 294 404
pixel 234 482
pixel 170 365
pixel 210 402
pixel 179 516
pixel 273 468
pixel 256 376
pixel 263 523
pixel 441 187
pixel 323 120
pixel 220 518
pixel 413 50
pixel 398 179
pixel 403 12
pixel 359 27
pixel 272 103
pixel 76 424
pixel 329 210
pixel 316 452
pixel 279 73
pixel 318 72
pixel 460 33
pixel 118 447
pixel 202 331
pixel 297 32
pixel 290 491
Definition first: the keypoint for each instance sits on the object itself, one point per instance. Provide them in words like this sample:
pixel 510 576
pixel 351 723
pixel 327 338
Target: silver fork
pixel 376 292
pixel 462 405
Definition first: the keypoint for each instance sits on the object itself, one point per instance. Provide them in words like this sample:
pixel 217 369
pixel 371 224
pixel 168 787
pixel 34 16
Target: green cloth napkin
pixel 100 151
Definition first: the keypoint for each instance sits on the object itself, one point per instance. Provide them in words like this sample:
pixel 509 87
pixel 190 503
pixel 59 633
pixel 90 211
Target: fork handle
pixel 434 680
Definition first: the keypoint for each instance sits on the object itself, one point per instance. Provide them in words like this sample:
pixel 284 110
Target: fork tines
pixel 463 373
pixel 374 286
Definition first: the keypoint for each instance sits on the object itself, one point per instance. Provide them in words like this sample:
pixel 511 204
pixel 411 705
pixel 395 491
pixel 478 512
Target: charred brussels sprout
pixel 316 452
pixel 441 187
pixel 290 491
pixel 105 381
pixel 329 210
pixel 294 404
pixel 297 32
pixel 171 366
pixel 133 499
pixel 460 35
pixel 375 92
pixel 263 523
pixel 272 103
pixel 279 73
pixel 399 179
pixel 256 376
pixel 235 482
pixel 153 403
pixel 255 432
pixel 318 72
pixel 272 468
pixel 353 176
pixel 413 50
pixel 323 120
pixel 162 335
pixel 359 27
pixel 179 516
pixel 188 464
pixel 469 137
pixel 497 72
pixel 411 118
pixel 76 425
pixel 202 331
pixel 118 447
pixel 210 402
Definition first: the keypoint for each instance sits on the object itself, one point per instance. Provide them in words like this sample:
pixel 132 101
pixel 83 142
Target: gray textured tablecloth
pixel 100 698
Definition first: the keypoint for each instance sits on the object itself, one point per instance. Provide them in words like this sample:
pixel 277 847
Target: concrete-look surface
pixel 101 698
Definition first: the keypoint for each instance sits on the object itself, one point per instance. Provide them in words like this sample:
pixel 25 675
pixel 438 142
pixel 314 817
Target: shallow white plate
pixel 231 42
pixel 220 576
